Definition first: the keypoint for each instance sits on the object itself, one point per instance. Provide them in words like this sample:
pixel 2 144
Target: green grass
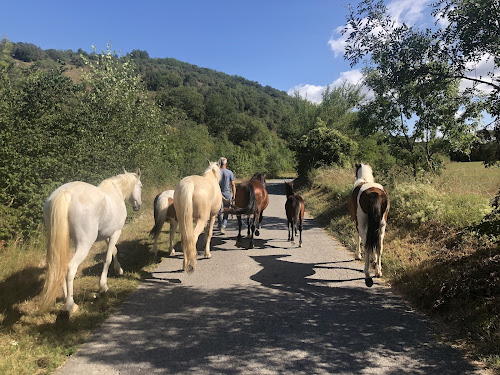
pixel 468 178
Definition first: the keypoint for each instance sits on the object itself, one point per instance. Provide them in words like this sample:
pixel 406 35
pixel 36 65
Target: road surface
pixel 275 309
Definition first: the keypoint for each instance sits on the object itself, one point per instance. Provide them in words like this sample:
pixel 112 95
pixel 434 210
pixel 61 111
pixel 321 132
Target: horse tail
pixel 374 219
pixel 185 218
pixel 297 210
pixel 160 215
pixel 57 249
pixel 251 206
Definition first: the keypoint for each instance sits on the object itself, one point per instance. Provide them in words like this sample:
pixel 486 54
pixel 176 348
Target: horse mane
pixel 213 168
pixel 259 176
pixel 125 183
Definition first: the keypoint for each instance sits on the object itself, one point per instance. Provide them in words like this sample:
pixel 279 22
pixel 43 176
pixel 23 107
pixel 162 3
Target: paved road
pixel 276 309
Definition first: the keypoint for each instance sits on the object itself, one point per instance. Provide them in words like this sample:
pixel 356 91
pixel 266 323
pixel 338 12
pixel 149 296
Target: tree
pixel 412 83
pixel 323 146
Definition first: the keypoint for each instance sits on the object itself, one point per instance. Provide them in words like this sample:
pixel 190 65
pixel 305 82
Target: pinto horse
pixel 251 199
pixel 368 206
pixel 164 209
pixel 197 198
pixel 294 208
pixel 85 213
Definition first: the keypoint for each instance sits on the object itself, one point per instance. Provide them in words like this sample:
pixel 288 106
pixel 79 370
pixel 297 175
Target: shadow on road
pixel 289 322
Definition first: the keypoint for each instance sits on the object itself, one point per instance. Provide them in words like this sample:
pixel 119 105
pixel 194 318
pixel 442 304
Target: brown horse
pixel 251 199
pixel 294 208
pixel 368 206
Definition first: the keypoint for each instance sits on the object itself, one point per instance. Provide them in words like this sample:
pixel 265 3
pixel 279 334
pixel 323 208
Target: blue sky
pixel 289 45
pixel 277 43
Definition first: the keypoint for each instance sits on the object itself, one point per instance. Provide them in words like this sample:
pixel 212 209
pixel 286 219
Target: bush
pixel 419 202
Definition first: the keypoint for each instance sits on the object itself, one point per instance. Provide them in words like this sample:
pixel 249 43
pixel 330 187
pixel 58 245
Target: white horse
pixel 197 198
pixel 368 206
pixel 85 213
pixel 164 209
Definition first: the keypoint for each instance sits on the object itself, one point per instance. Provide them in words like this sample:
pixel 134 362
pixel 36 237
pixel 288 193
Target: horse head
pixel 135 197
pixel 213 168
pixel 289 188
pixel 364 172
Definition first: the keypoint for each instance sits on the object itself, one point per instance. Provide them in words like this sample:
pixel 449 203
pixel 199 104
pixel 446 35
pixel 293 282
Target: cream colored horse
pixel 197 198
pixel 85 213
pixel 164 210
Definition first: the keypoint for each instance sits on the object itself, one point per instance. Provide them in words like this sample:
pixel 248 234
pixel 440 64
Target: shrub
pixel 420 202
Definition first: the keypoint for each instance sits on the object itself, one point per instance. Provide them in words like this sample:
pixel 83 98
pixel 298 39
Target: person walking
pixel 228 190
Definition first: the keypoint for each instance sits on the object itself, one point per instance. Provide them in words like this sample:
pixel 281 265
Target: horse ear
pixel 138 172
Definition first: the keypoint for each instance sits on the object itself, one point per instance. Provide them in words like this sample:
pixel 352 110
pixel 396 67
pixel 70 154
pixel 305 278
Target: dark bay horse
pixel 251 199
pixel 294 208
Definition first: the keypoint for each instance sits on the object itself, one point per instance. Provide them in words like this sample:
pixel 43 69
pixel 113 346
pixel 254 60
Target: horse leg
pixel 111 252
pixel 198 229
pixel 378 266
pixel 357 255
pixel 173 228
pixel 154 250
pixel 208 236
pixel 250 246
pixel 300 232
pixel 293 232
pixel 288 223
pixel 248 226
pixel 260 214
pixel 81 252
pixel 238 238
pixel 363 228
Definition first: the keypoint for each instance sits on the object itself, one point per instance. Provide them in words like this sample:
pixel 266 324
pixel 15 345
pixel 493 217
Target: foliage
pixel 416 90
pixel 490 225
pixel 417 203
pixel 324 146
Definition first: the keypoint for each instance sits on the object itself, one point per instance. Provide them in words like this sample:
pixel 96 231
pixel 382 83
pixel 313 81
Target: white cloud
pixel 338 45
pixel 314 93
pixel 407 11
pixel 401 11
pixel 480 71
pixel 310 92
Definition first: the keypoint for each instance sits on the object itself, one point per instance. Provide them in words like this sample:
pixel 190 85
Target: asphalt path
pixel 275 309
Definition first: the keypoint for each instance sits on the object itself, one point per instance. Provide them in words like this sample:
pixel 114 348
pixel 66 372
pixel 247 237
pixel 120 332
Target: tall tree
pixel 412 84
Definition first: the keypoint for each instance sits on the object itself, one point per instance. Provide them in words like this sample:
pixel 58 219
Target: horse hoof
pixel 208 256
pixel 257 233
pixel 300 244
pixel 189 269
pixel 120 272
pixel 103 289
pixel 368 282
pixel 62 317
pixel 239 244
